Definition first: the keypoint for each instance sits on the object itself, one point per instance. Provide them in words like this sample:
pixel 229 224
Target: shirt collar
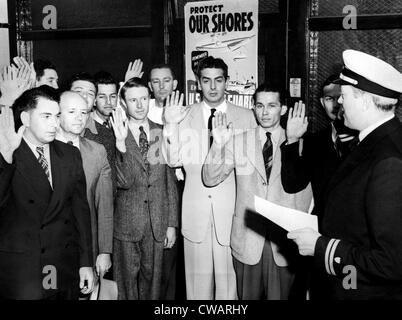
pixel 75 141
pixel 221 108
pixel 364 133
pixel 136 126
pixel 97 118
pixel 275 134
pixel 33 146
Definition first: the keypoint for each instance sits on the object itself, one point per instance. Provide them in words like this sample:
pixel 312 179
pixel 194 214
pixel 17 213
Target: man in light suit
pixel 45 231
pixel 260 249
pixel 73 117
pixel 206 212
pixel 146 215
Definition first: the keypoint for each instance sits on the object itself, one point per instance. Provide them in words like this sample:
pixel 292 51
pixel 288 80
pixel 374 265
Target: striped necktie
pixel 267 152
pixel 42 160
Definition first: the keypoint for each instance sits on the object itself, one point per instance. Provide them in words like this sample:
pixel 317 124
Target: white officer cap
pixel 370 74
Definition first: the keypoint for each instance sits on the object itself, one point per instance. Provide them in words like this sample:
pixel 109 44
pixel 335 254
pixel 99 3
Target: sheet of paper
pixel 288 219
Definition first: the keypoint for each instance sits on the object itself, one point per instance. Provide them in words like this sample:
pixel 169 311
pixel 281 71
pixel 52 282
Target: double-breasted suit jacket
pixel 43 229
pixel 361 227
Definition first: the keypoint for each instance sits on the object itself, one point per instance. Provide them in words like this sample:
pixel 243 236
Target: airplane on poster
pixel 215 42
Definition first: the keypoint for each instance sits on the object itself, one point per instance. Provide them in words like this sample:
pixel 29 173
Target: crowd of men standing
pixel 102 182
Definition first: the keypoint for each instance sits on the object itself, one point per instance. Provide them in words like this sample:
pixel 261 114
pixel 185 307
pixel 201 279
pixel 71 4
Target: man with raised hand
pixel 146 214
pixel 263 259
pixel 45 228
pixel 206 212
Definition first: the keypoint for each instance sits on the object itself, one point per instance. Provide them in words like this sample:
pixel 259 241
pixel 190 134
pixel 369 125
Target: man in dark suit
pixel 73 117
pixel 360 248
pixel 45 237
pixel 146 215
pixel 322 151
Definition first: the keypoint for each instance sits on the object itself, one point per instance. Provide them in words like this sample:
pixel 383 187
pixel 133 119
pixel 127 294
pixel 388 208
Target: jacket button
pixel 264 184
pixel 210 196
pixel 145 201
pixel 66 221
pixel 149 186
pixel 66 246
pixel 31 201
pixel 42 251
pixel 42 227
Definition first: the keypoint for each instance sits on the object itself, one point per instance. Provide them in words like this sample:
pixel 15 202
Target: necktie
pixel 144 146
pixel 42 160
pixel 210 138
pixel 267 152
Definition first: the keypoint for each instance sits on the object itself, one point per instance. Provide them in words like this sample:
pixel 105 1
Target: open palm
pixel 119 125
pixel 9 139
pixel 174 112
pixel 297 122
pixel 221 130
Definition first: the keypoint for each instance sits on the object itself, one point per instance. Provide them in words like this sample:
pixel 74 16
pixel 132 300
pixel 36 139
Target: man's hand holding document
pixel 288 219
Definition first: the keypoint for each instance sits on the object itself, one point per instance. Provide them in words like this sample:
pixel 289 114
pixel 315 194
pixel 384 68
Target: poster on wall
pixel 226 29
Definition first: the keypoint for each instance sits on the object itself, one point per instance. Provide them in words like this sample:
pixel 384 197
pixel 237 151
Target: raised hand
pixel 9 139
pixel 119 125
pixel 21 63
pixel 134 70
pixel 174 112
pixel 297 122
pixel 221 130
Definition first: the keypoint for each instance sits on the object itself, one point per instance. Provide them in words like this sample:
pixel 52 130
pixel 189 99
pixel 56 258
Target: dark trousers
pixel 265 280
pixel 168 285
pixel 137 267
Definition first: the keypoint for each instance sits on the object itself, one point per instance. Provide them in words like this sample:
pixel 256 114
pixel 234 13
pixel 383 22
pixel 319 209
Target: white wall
pixel 4 39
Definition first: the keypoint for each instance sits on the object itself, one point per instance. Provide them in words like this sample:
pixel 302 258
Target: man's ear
pixel 322 101
pixel 174 84
pixel 283 110
pixel 25 118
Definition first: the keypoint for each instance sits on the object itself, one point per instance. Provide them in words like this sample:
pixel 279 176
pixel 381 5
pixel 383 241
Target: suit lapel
pixel 362 151
pixel 276 163
pixel 255 156
pixel 58 178
pixel 33 173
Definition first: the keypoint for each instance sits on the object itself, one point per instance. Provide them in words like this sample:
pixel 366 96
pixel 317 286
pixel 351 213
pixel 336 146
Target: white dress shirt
pixel 46 150
pixel 75 141
pixel 275 135
pixel 97 118
pixel 206 110
pixel 155 113
pixel 135 130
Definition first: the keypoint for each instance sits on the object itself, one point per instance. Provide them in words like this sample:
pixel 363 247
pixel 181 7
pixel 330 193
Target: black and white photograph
pixel 200 156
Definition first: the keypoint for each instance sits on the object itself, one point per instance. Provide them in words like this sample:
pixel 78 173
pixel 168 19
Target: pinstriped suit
pixel 146 205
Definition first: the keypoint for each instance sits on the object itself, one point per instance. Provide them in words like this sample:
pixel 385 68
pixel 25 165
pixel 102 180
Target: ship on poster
pixel 228 30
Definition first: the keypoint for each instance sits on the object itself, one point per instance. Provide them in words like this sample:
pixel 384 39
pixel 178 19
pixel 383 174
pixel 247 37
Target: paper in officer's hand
pixel 288 219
